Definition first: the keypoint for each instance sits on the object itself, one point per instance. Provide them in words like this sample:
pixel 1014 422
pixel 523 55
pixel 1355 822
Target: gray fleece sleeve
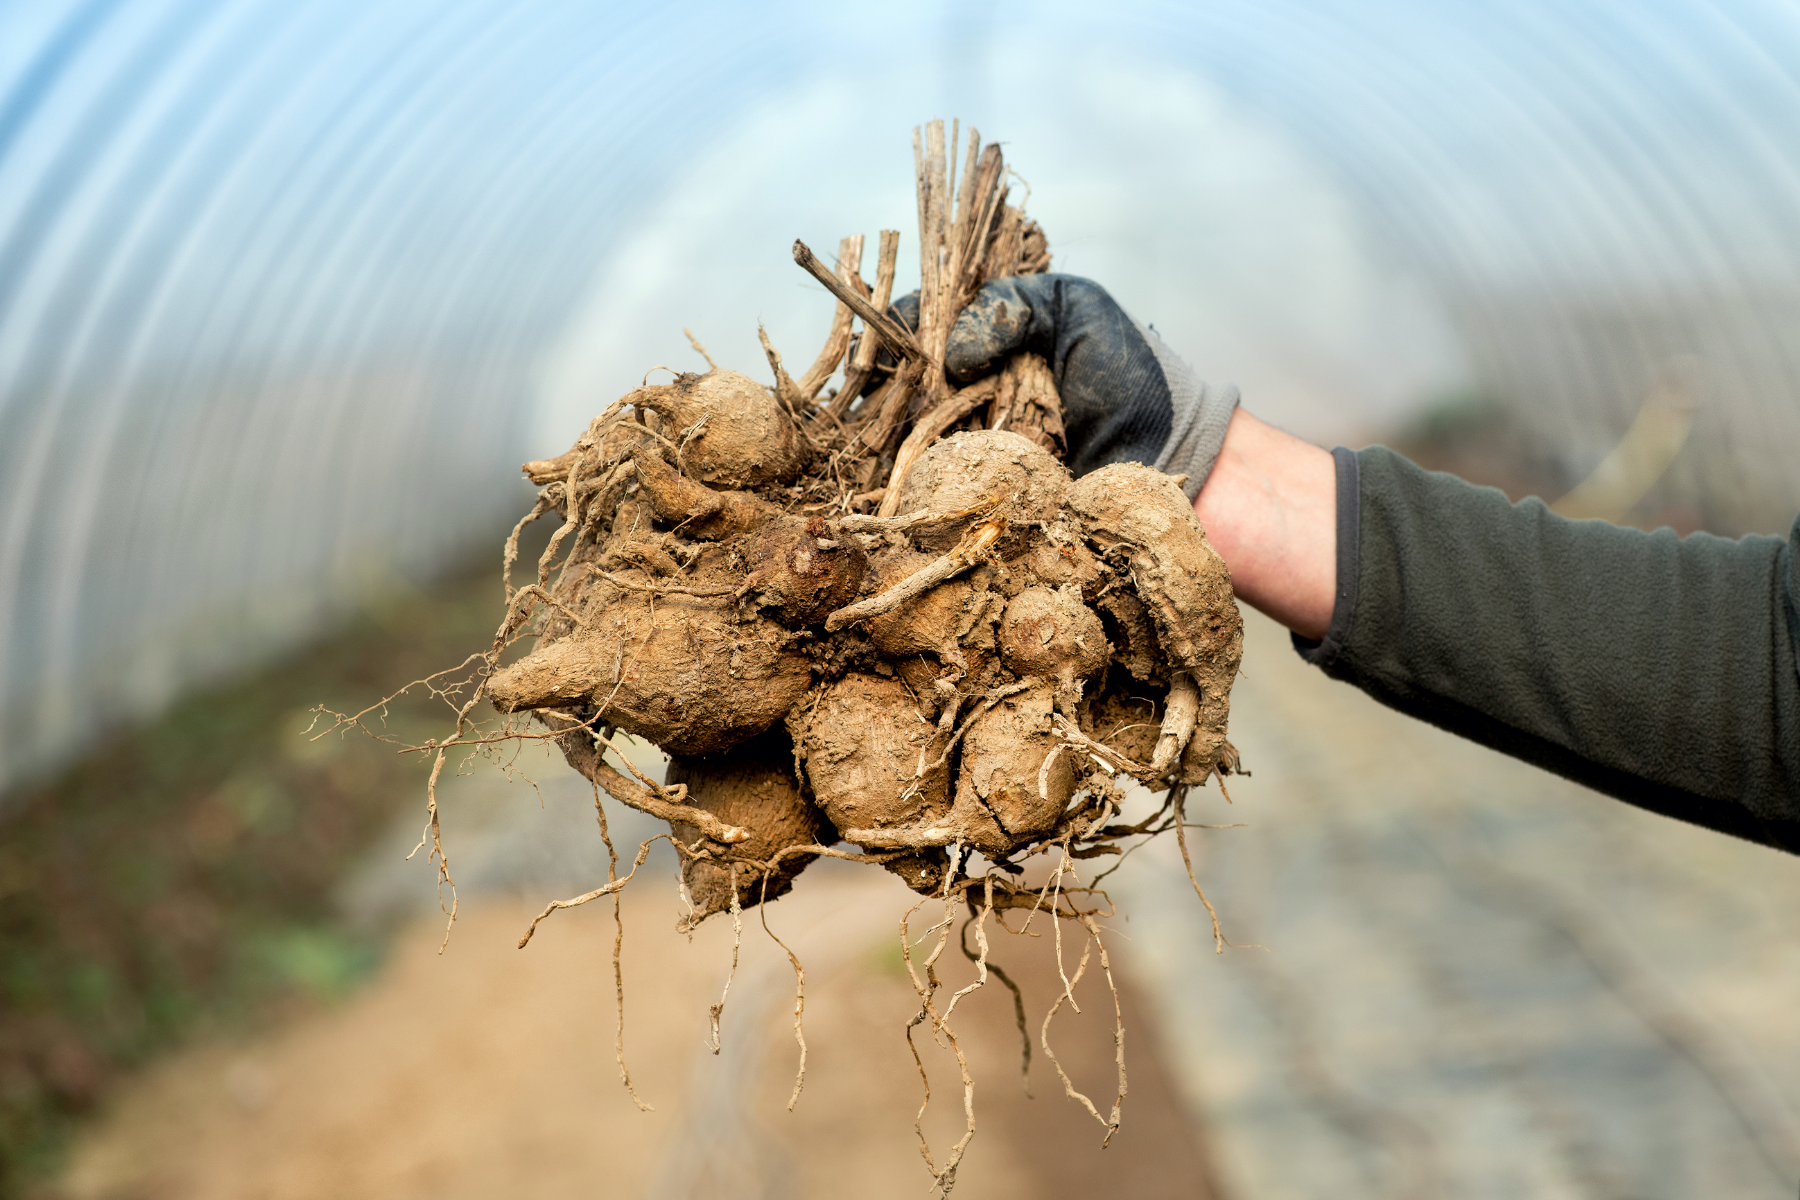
pixel 1657 669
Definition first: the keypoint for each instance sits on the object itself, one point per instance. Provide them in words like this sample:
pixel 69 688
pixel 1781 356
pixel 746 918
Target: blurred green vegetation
pixel 179 878
pixel 1476 435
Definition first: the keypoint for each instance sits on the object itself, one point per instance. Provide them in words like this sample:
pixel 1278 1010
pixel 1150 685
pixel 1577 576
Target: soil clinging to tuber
pixel 880 622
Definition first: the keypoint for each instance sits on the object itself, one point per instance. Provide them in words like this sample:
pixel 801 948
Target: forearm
pixel 1657 669
pixel 1270 509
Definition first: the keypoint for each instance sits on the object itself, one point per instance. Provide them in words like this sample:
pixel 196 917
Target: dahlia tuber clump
pixel 880 623
pixel 954 676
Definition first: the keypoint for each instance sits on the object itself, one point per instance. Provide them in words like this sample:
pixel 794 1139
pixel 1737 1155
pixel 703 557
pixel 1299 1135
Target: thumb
pixel 1006 316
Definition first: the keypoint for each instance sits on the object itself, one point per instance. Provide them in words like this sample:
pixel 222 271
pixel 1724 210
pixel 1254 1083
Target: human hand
pixel 1270 509
pixel 1267 499
pixel 1126 396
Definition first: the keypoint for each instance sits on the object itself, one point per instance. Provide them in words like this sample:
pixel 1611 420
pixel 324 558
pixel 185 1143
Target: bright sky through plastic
pixel 1204 221
pixel 288 290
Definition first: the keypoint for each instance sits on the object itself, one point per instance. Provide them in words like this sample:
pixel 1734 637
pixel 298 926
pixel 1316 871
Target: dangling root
pixel 1111 1121
pixel 737 941
pixel 799 998
pixel 945 1176
pixel 434 832
pixel 1018 997
pixel 1180 794
pixel 612 874
pixel 609 889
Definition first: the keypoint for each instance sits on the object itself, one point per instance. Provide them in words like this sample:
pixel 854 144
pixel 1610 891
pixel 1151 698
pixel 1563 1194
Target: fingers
pixel 1007 316
pixel 1019 312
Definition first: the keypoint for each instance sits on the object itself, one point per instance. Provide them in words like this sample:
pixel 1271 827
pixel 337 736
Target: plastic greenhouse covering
pixel 288 290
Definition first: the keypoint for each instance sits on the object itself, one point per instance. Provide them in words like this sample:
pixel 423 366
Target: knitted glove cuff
pixel 1202 413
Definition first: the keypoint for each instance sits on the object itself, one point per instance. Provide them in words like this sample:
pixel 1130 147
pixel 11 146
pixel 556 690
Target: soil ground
pixel 489 1071
pixel 179 878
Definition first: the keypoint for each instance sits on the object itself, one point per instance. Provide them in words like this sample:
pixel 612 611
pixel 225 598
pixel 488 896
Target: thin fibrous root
pixel 509 556
pixel 964 555
pixel 344 720
pixel 981 963
pixel 1112 986
pixel 799 992
pixel 737 941
pixel 1112 1121
pixel 1187 861
pixel 434 832
pixel 612 874
pixel 1018 999
pixel 605 890
pixel 941 1031
pixel 695 343
pixel 659 801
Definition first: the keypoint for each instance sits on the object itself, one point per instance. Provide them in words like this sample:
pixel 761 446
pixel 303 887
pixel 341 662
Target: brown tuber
pixel 692 674
pixel 752 787
pixel 890 628
pixel 729 430
pixel 954 688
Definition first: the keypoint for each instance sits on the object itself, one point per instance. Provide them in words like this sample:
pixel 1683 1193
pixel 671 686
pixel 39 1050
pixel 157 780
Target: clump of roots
pixel 879 623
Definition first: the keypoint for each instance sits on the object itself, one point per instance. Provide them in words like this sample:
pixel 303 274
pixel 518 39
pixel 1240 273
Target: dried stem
pixel 889 406
pixel 786 390
pixel 837 342
pixel 896 336
pixel 863 361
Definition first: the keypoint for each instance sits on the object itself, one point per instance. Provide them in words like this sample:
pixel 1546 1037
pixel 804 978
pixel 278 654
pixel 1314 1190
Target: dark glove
pixel 1126 397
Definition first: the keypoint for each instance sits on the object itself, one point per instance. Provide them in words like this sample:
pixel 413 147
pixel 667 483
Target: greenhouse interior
pixel 289 291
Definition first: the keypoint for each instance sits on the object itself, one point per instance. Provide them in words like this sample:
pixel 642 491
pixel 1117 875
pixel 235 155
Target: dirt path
pixel 490 1072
